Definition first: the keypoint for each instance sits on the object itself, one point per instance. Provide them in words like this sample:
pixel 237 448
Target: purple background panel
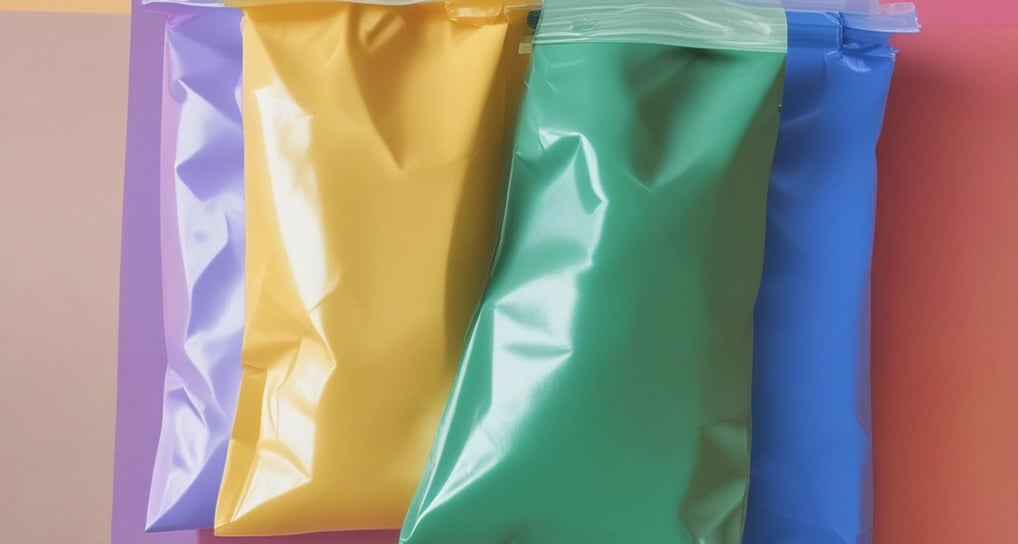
pixel 142 353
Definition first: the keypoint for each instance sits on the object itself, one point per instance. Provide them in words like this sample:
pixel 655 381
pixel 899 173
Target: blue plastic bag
pixel 811 478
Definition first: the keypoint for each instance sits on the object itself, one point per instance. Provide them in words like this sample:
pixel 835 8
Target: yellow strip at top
pixel 68 6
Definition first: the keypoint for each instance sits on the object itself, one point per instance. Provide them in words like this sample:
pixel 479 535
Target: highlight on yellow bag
pixel 376 144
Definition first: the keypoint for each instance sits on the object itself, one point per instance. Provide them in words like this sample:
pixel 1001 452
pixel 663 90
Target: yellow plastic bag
pixel 376 145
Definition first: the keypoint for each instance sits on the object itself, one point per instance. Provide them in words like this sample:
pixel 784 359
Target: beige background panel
pixel 63 97
pixel 77 6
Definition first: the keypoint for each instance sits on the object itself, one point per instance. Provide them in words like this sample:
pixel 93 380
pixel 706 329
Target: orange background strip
pixel 68 6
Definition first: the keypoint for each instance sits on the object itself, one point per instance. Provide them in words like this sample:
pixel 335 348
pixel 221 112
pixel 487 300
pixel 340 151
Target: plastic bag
pixel 604 392
pixel 203 263
pixel 373 170
pixel 812 471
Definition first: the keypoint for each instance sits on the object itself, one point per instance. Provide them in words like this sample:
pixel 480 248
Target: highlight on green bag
pixel 603 395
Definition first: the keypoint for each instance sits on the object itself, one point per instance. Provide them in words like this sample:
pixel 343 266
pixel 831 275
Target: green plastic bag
pixel 604 392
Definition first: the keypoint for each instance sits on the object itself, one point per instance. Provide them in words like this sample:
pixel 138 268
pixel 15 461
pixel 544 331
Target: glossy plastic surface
pixel 203 264
pixel 604 392
pixel 812 471
pixel 714 24
pixel 376 148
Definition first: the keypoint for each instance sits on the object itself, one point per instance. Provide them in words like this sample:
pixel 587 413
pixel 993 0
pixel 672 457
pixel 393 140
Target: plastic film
pixel 812 469
pixel 604 391
pixel 202 258
pixel 371 215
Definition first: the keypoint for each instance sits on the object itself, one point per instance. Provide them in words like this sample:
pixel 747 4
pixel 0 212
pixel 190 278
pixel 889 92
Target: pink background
pixel 945 282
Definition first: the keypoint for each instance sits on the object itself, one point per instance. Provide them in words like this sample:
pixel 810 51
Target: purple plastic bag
pixel 155 328
pixel 202 220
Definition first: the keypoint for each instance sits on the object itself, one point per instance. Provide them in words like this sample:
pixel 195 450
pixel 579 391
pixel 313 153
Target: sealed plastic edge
pixel 758 25
pixel 841 6
pixel 897 18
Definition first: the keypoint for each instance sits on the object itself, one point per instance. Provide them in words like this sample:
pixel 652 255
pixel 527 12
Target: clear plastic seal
pixel 711 24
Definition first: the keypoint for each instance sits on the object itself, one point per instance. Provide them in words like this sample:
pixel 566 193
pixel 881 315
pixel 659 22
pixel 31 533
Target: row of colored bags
pixel 556 237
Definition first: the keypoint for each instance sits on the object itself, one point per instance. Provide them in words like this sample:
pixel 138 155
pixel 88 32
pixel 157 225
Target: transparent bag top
pixel 753 25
